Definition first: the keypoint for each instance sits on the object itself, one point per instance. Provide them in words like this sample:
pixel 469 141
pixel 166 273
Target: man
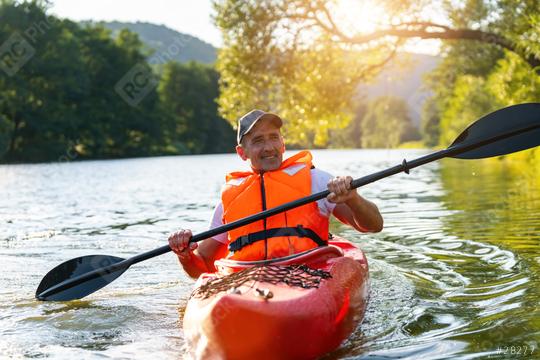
pixel 272 182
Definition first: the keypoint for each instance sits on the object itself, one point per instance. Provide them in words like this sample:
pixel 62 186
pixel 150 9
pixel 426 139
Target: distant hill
pixel 168 44
pixel 403 78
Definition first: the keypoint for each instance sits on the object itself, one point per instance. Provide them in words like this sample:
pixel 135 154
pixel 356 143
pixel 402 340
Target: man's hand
pixel 340 190
pixel 351 208
pixel 179 243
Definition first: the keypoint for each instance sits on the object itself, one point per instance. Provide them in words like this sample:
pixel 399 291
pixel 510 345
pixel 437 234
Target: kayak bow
pixel 299 307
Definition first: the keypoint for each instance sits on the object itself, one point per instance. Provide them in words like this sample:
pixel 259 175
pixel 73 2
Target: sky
pixel 193 17
pixel 187 16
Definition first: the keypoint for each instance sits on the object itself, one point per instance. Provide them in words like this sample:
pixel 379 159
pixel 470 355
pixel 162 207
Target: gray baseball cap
pixel 246 122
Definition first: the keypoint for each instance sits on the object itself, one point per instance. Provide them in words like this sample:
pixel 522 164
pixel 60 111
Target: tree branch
pixel 448 34
pixel 413 29
pixel 376 67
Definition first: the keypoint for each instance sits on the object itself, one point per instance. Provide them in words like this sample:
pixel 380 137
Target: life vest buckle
pixel 302 231
pixel 241 242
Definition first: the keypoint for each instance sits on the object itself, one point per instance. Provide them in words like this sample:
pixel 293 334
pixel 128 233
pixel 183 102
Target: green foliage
pixel 114 128
pixel 429 127
pixel 4 133
pixel 295 58
pixel 512 81
pixel 316 95
pixel 474 79
pixel 30 94
pixel 65 98
pixel 188 93
pixel 387 123
pixel 311 87
pixel 65 95
pixel 350 136
pixel 468 102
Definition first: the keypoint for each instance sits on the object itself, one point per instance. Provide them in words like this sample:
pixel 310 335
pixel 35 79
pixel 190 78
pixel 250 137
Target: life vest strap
pixel 298 231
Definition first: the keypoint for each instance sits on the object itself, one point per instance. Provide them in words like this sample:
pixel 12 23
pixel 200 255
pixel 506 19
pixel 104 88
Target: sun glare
pixel 367 16
pixel 359 16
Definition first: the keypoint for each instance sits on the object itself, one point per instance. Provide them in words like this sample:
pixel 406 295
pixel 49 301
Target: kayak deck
pixel 265 319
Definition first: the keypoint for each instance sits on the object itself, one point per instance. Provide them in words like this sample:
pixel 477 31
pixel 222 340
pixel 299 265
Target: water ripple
pixel 454 274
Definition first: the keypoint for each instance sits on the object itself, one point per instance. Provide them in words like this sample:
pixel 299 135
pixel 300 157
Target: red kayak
pixel 298 307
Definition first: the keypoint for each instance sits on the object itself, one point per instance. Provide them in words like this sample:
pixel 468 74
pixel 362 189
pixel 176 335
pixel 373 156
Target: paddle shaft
pixel 405 166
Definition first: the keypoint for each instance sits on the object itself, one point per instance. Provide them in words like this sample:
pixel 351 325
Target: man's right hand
pixel 179 243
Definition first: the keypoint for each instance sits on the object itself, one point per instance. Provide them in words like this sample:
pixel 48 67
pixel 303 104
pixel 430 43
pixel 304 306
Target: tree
pixel 188 94
pixel 430 120
pixel 34 86
pixel 472 81
pixel 386 124
pixel 278 54
pixel 490 22
pixel 110 125
pixel 262 66
pixel 63 95
pixel 350 136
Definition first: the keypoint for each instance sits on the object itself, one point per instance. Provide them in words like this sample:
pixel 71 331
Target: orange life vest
pixel 290 232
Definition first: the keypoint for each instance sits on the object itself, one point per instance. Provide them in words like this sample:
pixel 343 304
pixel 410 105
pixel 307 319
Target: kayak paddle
pixel 504 131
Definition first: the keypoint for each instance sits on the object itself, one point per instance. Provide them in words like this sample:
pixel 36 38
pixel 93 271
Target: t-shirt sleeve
pixel 217 220
pixel 319 182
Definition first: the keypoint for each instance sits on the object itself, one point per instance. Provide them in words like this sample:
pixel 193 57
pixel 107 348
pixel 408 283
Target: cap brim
pixel 270 116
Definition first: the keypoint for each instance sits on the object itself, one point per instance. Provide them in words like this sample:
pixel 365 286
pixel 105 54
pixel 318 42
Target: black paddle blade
pixel 69 273
pixel 523 121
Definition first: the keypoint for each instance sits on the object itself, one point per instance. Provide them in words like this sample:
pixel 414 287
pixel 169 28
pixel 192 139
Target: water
pixel 455 273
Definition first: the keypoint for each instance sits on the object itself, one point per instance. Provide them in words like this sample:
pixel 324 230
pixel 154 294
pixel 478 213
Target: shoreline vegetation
pixel 78 91
pixel 71 91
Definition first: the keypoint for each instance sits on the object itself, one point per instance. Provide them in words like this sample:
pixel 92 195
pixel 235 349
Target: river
pixel 454 274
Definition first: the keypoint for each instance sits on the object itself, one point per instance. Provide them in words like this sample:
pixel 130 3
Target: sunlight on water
pixel 455 273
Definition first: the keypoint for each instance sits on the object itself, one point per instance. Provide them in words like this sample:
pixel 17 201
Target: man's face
pixel 263 146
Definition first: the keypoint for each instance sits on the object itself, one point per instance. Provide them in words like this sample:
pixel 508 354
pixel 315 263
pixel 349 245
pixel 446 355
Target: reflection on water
pixel 455 273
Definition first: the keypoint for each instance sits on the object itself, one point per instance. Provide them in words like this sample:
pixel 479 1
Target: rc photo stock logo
pixel 136 84
pixel 14 53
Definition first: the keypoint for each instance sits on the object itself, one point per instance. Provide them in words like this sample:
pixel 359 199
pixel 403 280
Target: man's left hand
pixel 340 190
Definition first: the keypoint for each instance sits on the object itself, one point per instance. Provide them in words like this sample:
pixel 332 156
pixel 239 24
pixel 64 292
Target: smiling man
pixel 273 181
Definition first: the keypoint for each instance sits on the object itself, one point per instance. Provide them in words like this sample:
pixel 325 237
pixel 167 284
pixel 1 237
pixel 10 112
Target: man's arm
pixel 353 209
pixel 196 258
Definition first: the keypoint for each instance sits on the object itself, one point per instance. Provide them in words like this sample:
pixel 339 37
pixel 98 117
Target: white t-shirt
pixel 319 182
